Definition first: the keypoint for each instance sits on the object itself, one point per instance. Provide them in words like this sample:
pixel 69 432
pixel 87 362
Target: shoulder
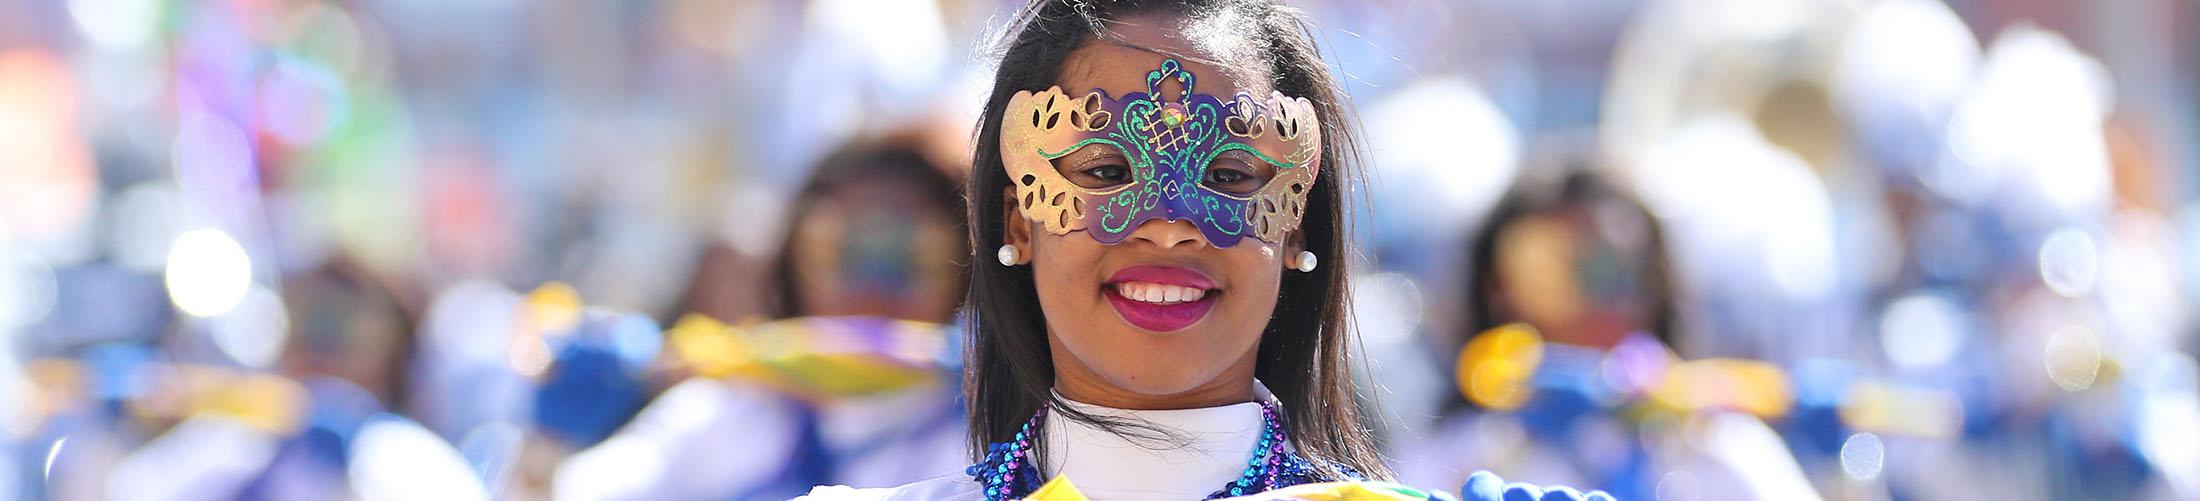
pixel 942 487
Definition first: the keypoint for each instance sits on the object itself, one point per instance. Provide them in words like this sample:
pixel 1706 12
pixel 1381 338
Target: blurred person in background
pixel 1578 258
pixel 1569 373
pixel 872 251
pixel 2032 267
pixel 1724 129
pixel 350 340
pixel 873 233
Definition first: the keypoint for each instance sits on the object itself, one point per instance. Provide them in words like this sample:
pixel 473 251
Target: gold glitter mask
pixel 1168 145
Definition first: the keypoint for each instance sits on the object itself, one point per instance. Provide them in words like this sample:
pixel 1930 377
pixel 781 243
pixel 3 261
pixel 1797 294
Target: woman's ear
pixel 1015 230
pixel 1294 251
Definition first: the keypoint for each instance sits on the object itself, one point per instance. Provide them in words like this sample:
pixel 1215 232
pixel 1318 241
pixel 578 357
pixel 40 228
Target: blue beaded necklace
pixel 1007 473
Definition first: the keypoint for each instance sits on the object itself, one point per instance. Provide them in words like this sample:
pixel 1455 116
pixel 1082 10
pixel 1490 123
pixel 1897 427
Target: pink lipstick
pixel 1160 298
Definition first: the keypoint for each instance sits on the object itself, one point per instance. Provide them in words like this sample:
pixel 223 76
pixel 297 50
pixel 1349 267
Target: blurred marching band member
pixel 868 272
pixel 2025 252
pixel 1568 287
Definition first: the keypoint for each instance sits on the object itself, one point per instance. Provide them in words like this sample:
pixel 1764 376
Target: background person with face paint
pixel 1570 266
pixel 868 269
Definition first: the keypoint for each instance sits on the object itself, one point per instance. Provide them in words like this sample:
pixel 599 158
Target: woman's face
pixel 1163 318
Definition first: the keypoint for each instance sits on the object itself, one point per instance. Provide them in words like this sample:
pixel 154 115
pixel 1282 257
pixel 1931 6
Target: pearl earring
pixel 1008 255
pixel 1307 262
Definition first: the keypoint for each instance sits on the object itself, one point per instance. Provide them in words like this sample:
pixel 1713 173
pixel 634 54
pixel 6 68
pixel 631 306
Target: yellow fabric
pixel 1059 489
pixel 1751 386
pixel 818 357
pixel 1347 491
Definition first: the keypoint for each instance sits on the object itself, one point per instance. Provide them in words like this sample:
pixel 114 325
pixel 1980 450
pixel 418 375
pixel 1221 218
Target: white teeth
pixel 1158 293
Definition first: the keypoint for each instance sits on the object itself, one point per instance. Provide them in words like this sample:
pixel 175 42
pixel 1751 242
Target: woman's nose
pixel 1167 234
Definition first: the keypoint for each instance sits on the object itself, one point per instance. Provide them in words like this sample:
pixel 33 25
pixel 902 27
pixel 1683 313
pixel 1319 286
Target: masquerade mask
pixel 1167 146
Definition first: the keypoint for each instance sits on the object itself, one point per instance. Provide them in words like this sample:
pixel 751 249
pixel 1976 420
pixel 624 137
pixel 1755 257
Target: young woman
pixel 1162 182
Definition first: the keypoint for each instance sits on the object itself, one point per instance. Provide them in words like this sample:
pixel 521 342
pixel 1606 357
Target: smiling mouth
pixel 1160 299
pixel 1160 294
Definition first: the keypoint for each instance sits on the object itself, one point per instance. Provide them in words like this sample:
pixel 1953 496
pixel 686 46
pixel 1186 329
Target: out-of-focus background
pixel 706 249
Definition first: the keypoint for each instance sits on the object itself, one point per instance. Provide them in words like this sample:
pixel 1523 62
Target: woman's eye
pixel 1101 174
pixel 1096 167
pixel 1226 177
pixel 1231 180
pixel 1110 173
pixel 1233 174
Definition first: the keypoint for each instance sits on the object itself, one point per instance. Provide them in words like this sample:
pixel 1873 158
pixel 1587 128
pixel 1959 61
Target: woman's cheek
pixel 1261 267
pixel 1062 272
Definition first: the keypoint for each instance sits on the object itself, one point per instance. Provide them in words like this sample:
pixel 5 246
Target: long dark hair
pixel 1303 354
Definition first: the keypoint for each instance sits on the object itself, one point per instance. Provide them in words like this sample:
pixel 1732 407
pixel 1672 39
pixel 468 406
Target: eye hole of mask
pixel 1096 167
pixel 1237 173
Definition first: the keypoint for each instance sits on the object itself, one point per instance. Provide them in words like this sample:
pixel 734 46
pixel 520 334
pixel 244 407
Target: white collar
pixel 1217 441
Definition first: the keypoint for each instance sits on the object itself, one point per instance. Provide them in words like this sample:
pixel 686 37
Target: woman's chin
pixel 1162 377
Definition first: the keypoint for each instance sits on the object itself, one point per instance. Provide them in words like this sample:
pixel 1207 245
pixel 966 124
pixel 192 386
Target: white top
pixel 716 439
pixel 1212 447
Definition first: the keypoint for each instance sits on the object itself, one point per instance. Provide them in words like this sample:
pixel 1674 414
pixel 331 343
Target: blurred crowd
pixel 705 249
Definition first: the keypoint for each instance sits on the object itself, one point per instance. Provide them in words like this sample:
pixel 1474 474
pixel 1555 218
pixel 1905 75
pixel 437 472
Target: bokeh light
pixel 28 290
pixel 47 181
pixel 2073 358
pixel 117 24
pixel 1495 368
pixel 395 459
pixel 2070 262
pixel 1921 331
pixel 1863 455
pixel 254 331
pixel 208 272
